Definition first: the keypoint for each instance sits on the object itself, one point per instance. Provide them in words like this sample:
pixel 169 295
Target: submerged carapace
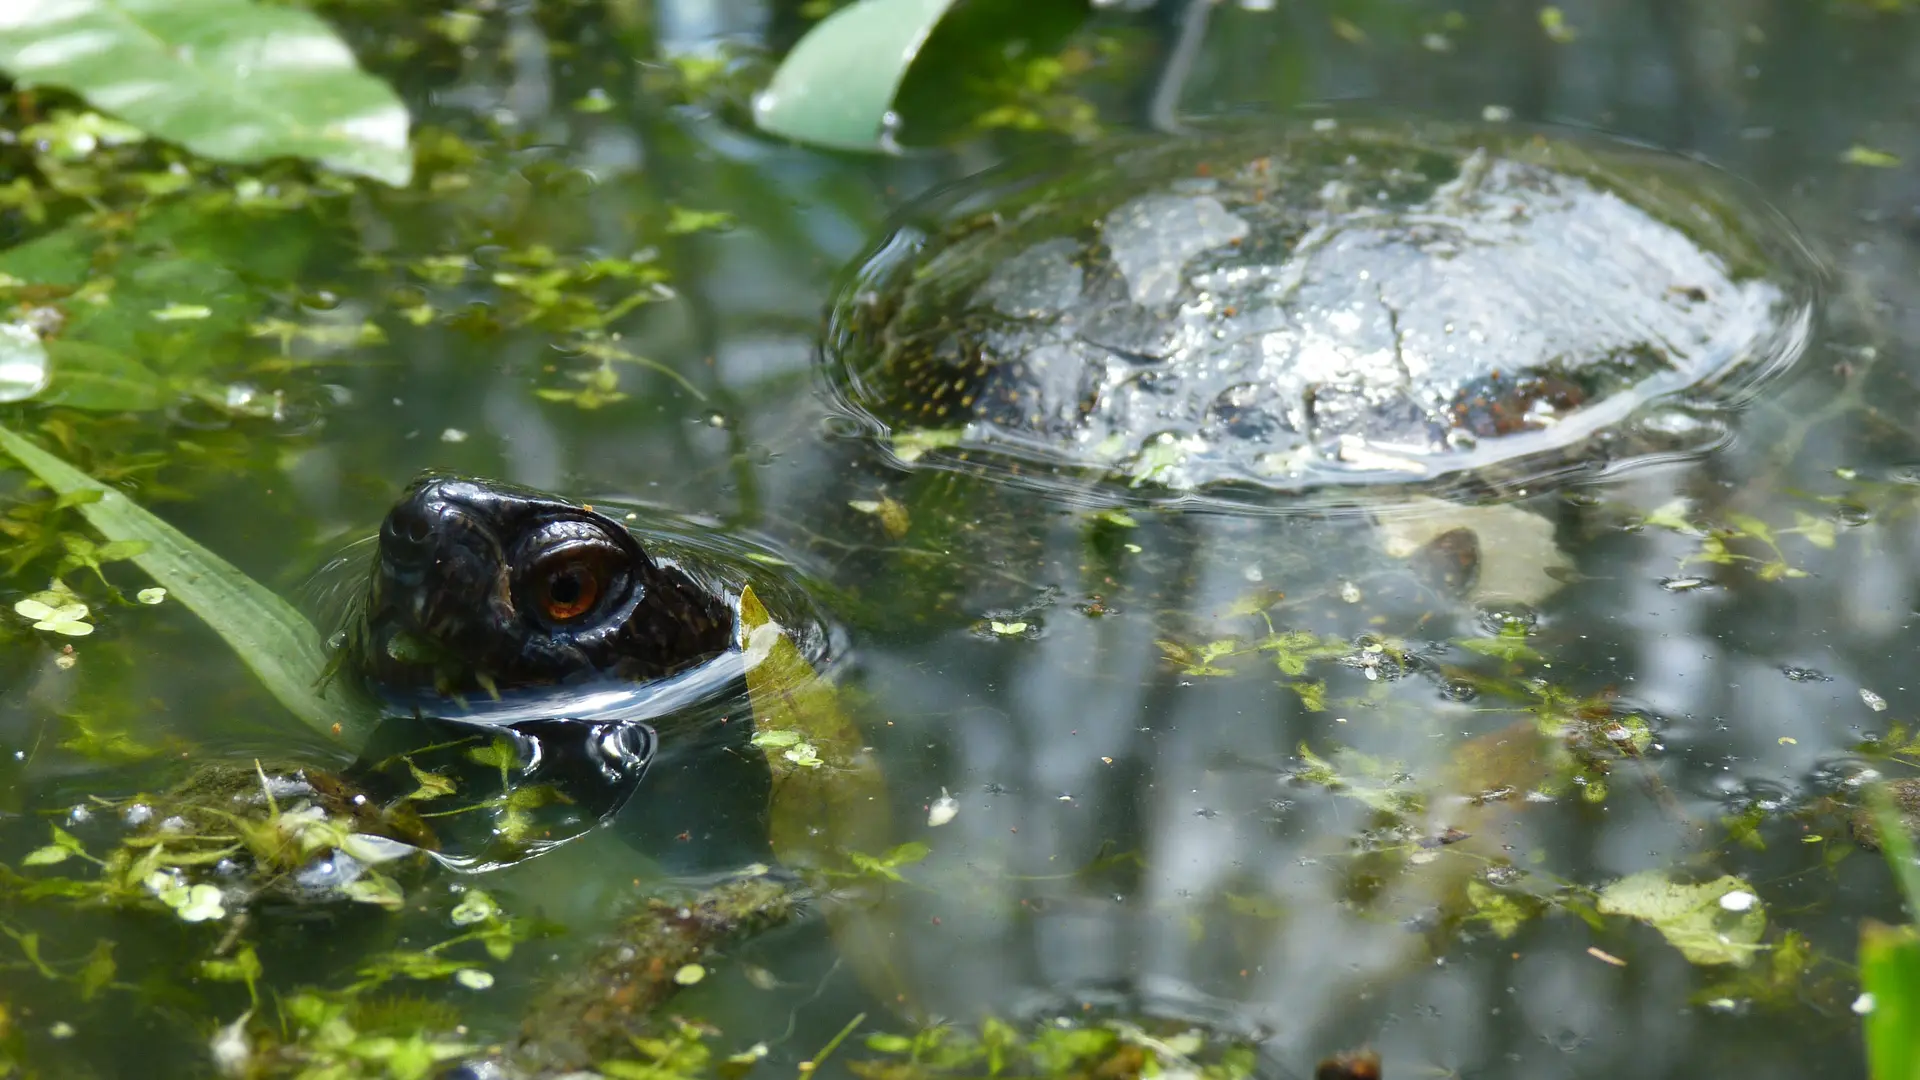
pixel 1293 307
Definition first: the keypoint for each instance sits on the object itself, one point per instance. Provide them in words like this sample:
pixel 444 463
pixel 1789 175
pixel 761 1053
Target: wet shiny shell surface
pixel 1327 303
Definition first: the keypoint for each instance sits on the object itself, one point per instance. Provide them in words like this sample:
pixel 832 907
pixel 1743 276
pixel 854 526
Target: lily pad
pixel 1712 922
pixel 836 87
pixel 228 79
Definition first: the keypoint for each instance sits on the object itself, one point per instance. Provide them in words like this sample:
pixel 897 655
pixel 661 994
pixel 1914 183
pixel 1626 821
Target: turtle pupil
pixel 570 591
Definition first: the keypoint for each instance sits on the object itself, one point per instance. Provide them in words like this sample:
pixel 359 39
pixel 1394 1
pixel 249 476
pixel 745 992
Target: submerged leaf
pixel 825 810
pixel 833 794
pixel 268 635
pixel 228 79
pixel 1713 922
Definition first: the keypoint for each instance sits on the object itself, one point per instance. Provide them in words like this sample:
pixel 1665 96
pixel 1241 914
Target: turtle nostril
pixel 406 536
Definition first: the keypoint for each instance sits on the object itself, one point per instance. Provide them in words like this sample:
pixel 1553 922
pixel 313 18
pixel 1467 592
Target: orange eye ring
pixel 569 590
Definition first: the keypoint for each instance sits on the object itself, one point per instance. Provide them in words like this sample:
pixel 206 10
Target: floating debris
pixel 943 810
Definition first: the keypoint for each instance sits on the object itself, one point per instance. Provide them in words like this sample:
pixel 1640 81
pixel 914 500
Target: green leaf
pixel 64 844
pixel 682 220
pixel 1890 980
pixel 46 856
pixel 228 79
pixel 98 970
pixel 1503 913
pixel 911 446
pixel 907 854
pixel 267 634
pixel 837 85
pixel 1508 645
pixel 1872 159
pixel 1713 922
pixel 244 967
pixel 432 786
pixel 378 890
pixel 61 257
pixel 23 362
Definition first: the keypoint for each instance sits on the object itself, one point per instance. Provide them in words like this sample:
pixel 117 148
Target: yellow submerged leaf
pixel 828 805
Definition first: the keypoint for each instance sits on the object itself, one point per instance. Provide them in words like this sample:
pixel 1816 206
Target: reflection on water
pixel 1273 774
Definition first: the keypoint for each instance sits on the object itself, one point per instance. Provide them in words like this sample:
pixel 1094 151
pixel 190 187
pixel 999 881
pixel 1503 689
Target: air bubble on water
pixel 1905 474
pixel 1349 592
pixel 1508 618
pixel 137 815
pixel 1682 425
pixel 1567 1040
pixel 1496 114
pixel 889 134
pixel 716 420
pixel 1686 583
pixel 764 102
pixel 453 435
pixel 1504 875
pixel 79 815
pixel 1852 514
pixel 320 300
pixel 1805 674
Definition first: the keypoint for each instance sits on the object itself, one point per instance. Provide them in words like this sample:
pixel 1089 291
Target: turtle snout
pixel 407 540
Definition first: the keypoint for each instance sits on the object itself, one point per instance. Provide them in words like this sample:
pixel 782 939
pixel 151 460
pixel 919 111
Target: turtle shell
pixel 1326 303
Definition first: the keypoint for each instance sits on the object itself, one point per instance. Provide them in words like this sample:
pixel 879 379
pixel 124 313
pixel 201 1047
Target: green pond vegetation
pixel 179 272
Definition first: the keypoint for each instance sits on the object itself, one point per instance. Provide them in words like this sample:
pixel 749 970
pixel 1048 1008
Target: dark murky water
pixel 1133 832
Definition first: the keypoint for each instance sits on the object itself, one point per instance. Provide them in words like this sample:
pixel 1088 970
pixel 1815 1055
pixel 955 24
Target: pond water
pixel 1258 772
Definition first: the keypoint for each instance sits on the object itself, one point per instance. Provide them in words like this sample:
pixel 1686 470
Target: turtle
pixel 1254 316
pixel 1251 310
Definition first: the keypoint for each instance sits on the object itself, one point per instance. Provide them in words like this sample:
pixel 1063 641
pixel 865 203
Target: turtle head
pixel 484 587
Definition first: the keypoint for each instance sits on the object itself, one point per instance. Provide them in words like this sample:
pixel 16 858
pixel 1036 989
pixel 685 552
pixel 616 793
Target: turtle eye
pixel 566 586
pixel 568 571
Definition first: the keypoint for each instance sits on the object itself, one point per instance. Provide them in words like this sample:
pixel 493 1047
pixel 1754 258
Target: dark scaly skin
pixel 455 607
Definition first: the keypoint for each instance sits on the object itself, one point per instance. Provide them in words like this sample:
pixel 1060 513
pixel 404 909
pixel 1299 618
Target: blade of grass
pixel 275 641
pixel 1890 958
